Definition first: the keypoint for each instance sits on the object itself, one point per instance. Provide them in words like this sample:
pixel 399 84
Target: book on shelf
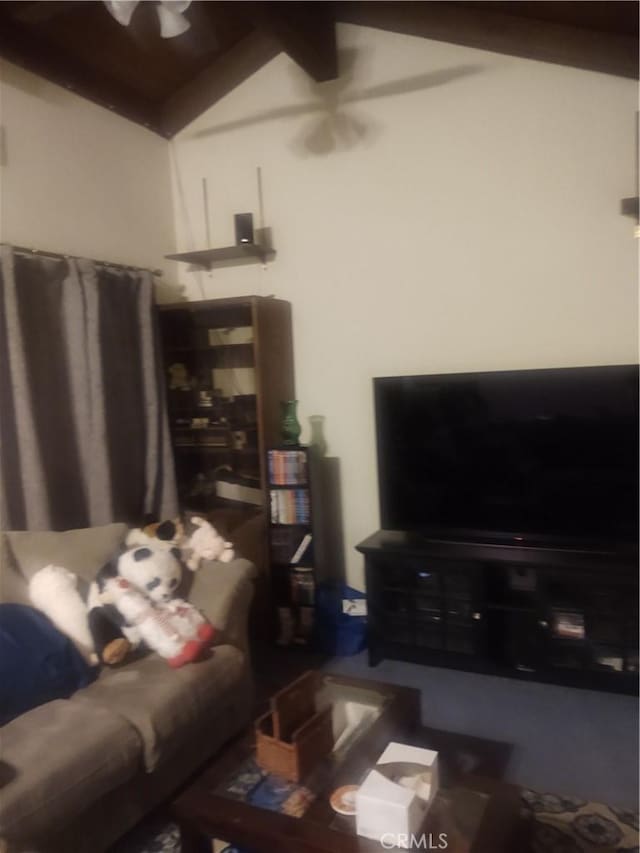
pixel 288 546
pixel 286 624
pixel 289 506
pixel 283 543
pixel 304 625
pixel 301 549
pixel 287 467
pixel 303 586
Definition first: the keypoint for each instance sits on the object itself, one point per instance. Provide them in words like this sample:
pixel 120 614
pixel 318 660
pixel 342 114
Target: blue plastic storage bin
pixel 335 632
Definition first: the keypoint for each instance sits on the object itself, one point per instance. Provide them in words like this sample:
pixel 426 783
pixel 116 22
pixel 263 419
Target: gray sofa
pixel 77 773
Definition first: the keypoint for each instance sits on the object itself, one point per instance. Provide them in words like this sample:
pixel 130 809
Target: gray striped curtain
pixel 83 427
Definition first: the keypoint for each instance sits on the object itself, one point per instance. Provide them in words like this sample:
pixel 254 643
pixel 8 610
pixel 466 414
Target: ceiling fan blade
pixel 179 6
pixel 418 83
pixel 172 22
pixel 258 118
pixel 122 10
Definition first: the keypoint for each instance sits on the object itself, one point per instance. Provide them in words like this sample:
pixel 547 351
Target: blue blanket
pixel 37 662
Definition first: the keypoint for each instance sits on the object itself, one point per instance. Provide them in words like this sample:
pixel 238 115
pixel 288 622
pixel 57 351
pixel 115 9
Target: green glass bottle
pixel 290 428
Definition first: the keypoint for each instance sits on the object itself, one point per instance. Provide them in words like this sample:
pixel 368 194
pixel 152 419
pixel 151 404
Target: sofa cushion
pixel 13 587
pixel 63 757
pixel 163 703
pixel 82 551
pixel 37 662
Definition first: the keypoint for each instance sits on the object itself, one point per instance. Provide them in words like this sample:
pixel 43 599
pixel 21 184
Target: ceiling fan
pixel 170 14
pixel 331 121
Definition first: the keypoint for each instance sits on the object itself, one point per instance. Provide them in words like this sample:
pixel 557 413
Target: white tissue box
pixel 394 798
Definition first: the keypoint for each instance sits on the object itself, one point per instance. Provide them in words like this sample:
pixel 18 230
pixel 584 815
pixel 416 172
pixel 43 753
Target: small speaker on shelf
pixel 244 228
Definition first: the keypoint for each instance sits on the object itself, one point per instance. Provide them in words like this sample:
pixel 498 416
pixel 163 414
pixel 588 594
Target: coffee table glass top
pixel 456 811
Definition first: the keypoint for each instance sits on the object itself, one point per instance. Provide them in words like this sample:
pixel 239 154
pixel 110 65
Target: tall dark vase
pixel 290 428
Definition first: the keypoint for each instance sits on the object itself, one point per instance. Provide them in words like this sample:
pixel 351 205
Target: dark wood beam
pixel 216 80
pixel 34 12
pixel 306 31
pixel 27 49
pixel 458 23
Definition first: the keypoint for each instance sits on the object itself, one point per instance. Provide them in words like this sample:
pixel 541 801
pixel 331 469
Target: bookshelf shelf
pixel 291 542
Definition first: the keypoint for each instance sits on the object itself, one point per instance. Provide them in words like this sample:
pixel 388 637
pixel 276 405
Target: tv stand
pixel 566 615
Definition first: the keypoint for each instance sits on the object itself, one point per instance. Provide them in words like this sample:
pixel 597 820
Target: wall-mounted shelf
pixel 208 258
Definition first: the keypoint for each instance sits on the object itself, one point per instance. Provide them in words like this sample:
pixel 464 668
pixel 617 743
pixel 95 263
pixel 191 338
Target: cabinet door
pixel 430 603
pixel 465 625
pixel 591 623
pixel 405 601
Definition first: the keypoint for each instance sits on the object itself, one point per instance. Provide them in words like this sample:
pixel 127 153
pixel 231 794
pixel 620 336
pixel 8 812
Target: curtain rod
pixel 21 250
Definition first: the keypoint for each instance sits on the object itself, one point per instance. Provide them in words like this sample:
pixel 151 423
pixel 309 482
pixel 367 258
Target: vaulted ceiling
pixel 164 84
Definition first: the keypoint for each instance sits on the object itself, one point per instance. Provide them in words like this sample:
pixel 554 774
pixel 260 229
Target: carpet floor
pixel 574 742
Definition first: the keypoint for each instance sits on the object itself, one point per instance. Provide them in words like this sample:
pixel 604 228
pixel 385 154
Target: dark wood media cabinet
pixel 561 615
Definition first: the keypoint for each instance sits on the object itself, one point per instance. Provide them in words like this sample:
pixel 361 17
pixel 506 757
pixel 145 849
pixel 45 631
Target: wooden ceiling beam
pixel 34 12
pixel 25 48
pixel 306 31
pixel 215 81
pixel 531 38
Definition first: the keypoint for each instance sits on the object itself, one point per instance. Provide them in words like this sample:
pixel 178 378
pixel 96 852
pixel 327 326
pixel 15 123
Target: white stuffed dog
pixel 54 591
pixel 205 543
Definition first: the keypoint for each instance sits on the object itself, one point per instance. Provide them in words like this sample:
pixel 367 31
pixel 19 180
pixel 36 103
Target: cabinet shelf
pixel 279 487
pixel 511 608
pixel 208 258
pixel 212 448
pixel 203 348
pixel 189 430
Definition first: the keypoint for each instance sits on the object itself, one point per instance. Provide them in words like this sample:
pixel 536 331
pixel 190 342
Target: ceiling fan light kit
pixel 172 22
pixel 170 15
pixel 122 10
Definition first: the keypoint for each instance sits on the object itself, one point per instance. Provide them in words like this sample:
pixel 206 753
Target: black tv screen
pixel 519 455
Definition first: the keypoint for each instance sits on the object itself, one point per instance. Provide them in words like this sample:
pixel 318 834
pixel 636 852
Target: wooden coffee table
pixel 470 772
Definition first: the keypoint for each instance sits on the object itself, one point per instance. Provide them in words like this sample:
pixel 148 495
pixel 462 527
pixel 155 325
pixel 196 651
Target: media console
pixel 567 615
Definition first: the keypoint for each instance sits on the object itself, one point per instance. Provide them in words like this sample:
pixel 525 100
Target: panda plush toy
pixel 133 600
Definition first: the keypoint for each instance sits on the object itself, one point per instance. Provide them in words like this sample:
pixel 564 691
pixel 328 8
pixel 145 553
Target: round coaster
pixel 343 800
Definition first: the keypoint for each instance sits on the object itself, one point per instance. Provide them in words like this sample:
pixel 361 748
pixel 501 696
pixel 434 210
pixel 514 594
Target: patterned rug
pixel 154 834
pixel 560 825
pixel 570 825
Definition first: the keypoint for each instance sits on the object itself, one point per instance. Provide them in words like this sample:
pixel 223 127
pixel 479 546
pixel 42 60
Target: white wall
pixel 78 179
pixel 475 226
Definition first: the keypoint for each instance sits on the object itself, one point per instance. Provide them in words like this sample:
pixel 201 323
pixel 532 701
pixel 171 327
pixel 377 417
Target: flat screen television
pixel 517 456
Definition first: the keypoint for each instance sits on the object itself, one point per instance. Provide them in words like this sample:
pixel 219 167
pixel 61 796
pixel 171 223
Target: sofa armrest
pixel 223 591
